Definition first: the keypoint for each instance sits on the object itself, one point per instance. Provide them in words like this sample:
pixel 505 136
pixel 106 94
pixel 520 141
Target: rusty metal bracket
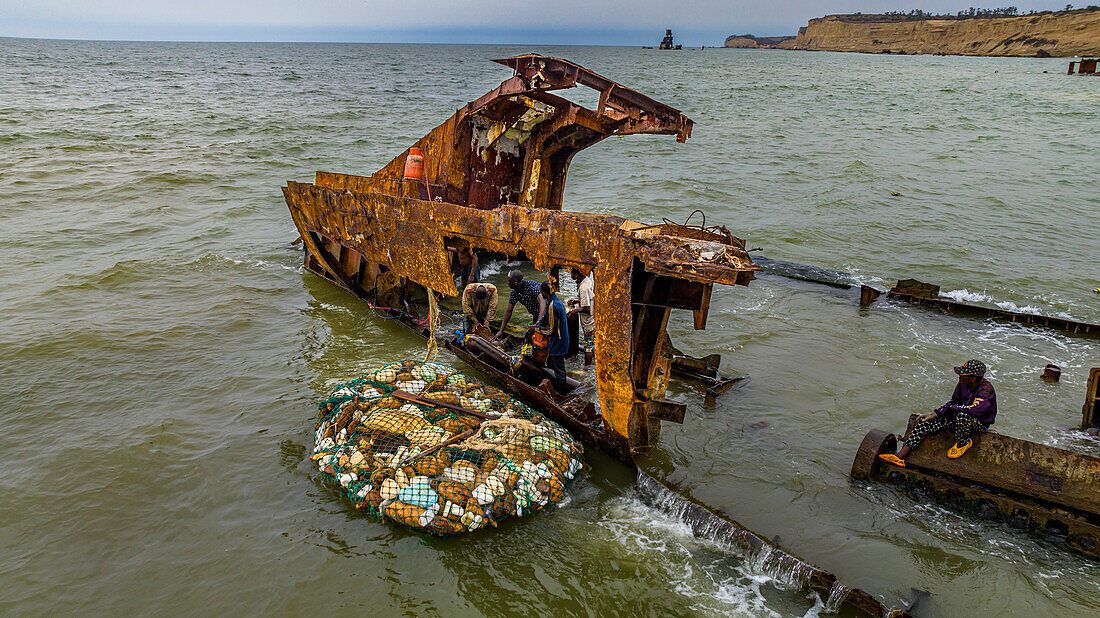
pixel 1089 419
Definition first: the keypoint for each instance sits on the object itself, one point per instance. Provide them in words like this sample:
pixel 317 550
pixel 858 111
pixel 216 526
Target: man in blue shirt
pixel 555 324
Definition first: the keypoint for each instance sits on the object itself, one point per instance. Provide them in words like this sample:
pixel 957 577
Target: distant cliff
pixel 1065 33
pixel 755 42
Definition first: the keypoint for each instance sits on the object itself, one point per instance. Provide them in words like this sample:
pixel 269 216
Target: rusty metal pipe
pixel 1052 488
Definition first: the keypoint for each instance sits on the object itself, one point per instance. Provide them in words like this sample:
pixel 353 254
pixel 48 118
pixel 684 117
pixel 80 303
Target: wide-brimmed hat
pixel 971 368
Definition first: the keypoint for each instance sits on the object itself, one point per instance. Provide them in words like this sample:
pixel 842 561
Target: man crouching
pixel 972 409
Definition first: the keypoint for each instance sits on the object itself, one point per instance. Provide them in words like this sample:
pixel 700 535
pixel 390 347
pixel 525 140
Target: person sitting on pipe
pixel 972 409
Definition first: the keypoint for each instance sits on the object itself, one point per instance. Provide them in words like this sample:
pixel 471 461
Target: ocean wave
pixel 966 296
pixel 252 262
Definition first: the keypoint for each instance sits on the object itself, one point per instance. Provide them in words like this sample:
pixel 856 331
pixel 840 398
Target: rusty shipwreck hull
pixel 1051 489
pixel 494 176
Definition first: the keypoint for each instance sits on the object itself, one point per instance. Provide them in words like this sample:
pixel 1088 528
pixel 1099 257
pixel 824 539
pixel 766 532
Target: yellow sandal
pixel 957 451
pixel 892 458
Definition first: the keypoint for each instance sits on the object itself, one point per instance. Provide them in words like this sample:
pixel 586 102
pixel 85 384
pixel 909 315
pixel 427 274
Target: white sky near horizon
pixel 612 22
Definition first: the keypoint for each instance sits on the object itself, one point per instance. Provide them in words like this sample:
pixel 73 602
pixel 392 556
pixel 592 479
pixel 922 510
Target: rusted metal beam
pixel 1053 488
pixel 868 295
pixel 720 527
pixel 919 293
pixel 1089 418
pixel 545 73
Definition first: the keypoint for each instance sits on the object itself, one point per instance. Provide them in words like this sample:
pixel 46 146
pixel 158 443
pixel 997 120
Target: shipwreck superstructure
pixel 493 181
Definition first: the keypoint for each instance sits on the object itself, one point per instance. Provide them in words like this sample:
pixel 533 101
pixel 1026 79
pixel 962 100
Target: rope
pixel 433 324
pixel 500 431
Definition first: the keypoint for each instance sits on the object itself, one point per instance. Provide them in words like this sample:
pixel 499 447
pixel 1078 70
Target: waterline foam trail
pixel 761 556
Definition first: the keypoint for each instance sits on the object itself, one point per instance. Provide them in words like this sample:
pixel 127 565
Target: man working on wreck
pixel 972 409
pixel 468 269
pixel 582 307
pixel 556 327
pixel 479 305
pixel 525 292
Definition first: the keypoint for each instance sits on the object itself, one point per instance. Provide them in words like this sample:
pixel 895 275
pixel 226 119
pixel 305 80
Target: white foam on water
pixel 718 586
pixel 492 267
pixel 837 595
pixel 258 263
pixel 1072 440
pixel 275 265
pixel 750 303
pixel 1008 305
pixel 966 296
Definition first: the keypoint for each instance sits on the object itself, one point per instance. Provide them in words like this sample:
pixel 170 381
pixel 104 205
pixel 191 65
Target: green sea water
pixel 162 350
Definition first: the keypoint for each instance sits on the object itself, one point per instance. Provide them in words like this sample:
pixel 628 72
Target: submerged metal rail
pixel 919 293
pixel 766 555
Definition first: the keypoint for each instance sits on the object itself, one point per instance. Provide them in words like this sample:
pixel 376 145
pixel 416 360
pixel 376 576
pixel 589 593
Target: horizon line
pixel 691 37
pixel 310 42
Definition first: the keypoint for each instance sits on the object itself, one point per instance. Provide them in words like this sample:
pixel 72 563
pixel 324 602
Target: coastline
pixel 1063 34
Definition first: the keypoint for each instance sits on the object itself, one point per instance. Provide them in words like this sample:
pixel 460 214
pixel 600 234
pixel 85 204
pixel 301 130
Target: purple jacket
pixel 981 402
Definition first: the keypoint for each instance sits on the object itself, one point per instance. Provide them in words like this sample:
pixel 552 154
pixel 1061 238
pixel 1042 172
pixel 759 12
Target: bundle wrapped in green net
pixel 425 446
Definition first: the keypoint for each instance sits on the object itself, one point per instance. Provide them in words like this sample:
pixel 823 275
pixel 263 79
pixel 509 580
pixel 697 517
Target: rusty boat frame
pixel 1085 66
pixel 493 181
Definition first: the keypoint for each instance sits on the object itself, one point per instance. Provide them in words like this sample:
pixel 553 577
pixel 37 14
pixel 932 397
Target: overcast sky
pixel 607 22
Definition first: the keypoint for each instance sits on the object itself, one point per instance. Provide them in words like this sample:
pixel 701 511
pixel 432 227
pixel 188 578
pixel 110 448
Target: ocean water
pixel 162 348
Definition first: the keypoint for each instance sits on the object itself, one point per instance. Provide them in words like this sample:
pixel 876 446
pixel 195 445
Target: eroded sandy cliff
pixel 1073 33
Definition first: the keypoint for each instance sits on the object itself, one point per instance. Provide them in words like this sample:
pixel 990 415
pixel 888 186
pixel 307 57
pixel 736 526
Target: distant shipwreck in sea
pixel 1085 66
pixel 666 43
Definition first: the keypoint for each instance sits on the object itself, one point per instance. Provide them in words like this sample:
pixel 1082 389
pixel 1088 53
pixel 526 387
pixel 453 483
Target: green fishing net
pixel 425 446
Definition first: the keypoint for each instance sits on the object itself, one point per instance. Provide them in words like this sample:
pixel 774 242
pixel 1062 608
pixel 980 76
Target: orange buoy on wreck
pixel 414 165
